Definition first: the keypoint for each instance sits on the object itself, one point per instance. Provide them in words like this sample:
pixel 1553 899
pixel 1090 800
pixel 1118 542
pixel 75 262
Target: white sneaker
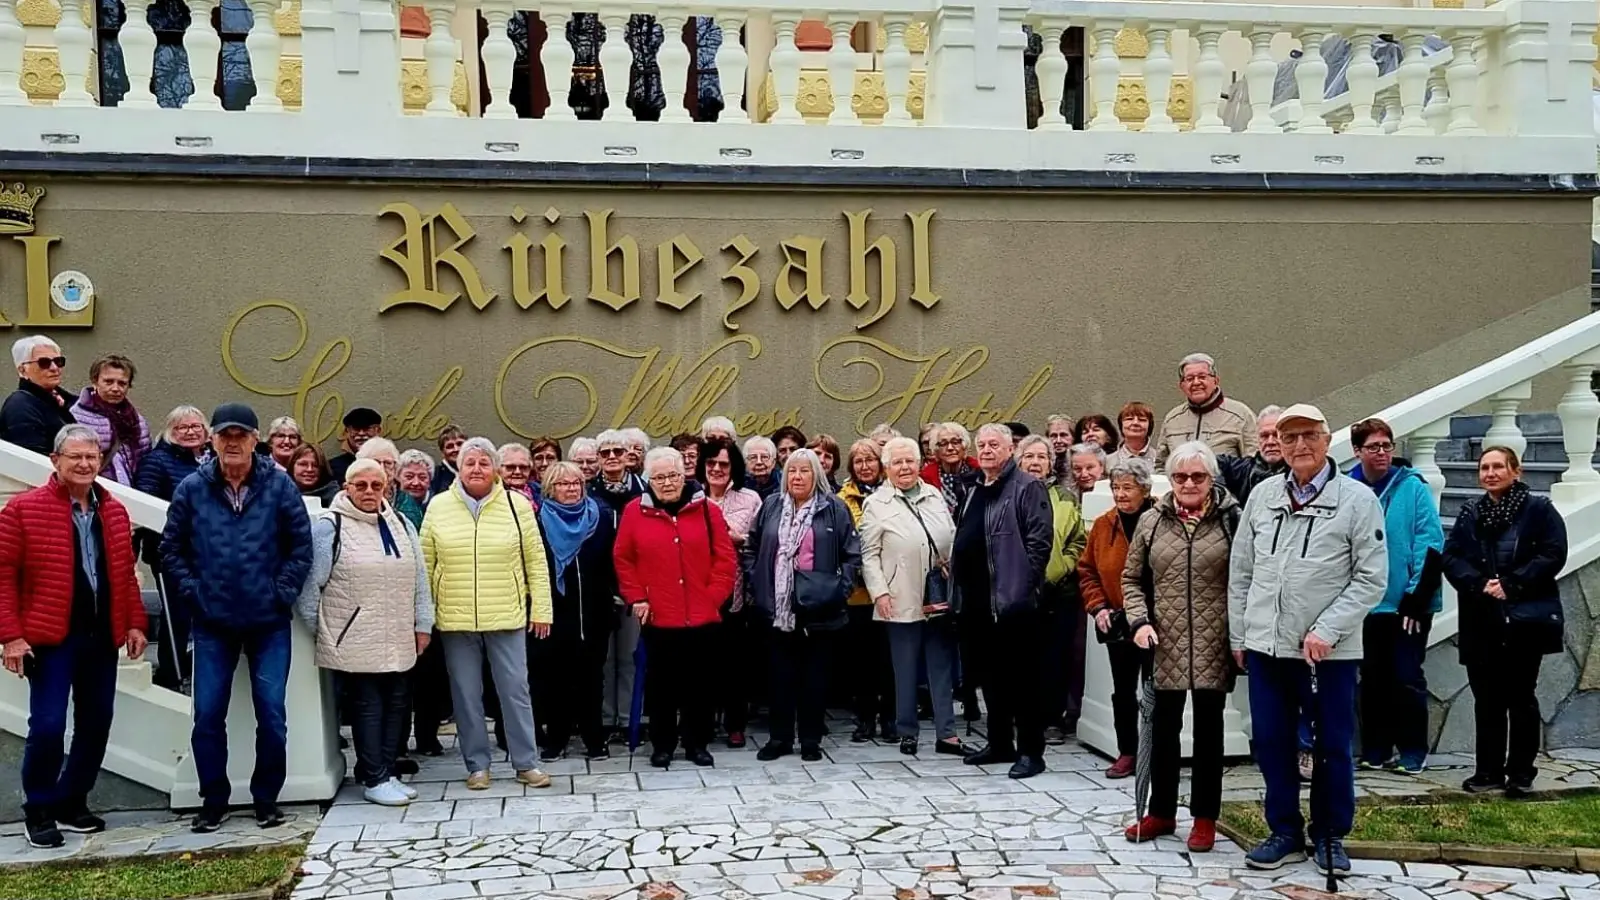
pixel 388 793
pixel 406 789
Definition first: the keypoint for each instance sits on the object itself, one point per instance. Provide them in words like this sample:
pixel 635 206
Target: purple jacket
pixel 125 462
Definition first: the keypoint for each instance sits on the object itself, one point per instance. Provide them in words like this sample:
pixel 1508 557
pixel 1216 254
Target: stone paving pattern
pixel 137 832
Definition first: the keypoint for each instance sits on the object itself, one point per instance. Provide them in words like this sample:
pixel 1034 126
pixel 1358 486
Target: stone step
pixel 1532 424
pixel 1541 448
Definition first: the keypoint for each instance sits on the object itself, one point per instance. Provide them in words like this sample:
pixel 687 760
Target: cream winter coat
pixel 895 556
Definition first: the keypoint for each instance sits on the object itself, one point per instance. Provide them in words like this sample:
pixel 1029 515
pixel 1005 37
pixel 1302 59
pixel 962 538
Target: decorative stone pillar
pixel 351 57
pixel 974 65
pixel 1503 429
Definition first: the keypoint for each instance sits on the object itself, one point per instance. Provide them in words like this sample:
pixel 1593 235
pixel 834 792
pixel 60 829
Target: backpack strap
pixel 522 555
pixel 338 534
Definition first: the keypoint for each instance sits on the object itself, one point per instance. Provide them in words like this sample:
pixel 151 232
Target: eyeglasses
pixel 363 485
pixel 191 428
pixel 669 478
pixel 1190 477
pixel 567 484
pixel 517 467
pixel 50 362
pixel 950 442
pixel 282 435
pixel 1379 447
pixel 718 464
pixel 1298 437
pixel 613 451
pixel 1189 379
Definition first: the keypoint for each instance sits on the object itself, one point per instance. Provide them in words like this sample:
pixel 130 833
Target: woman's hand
pixel 737 537
pixel 1102 620
pixel 539 630
pixel 641 611
pixel 1146 638
pixel 885 606
pixel 1495 589
pixel 423 640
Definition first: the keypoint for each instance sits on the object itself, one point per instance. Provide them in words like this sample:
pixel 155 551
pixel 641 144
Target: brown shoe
pixel 534 778
pixel 478 781
pixel 1122 768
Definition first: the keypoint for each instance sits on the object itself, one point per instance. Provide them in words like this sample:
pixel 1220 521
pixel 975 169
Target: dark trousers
pixel 1507 712
pixel 871 678
pixel 1205 782
pixel 1125 695
pixel 913 647
pixel 1009 655
pixel 173 663
pixel 565 679
pixel 1275 685
pixel 85 670
pixel 1064 633
pixel 799 684
pixel 1394 691
pixel 678 679
pixel 378 703
pixel 430 695
pixel 743 682
pixel 216 656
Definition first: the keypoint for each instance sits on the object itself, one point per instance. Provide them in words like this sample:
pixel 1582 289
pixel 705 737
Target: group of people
pixel 517 583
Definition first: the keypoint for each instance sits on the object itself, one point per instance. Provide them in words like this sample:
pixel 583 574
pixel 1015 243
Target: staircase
pixel 1544 459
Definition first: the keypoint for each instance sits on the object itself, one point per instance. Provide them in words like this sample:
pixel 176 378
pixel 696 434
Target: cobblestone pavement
pixel 866 822
pixel 134 833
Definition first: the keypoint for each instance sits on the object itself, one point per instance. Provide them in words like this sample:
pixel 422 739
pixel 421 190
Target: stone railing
pixel 1514 76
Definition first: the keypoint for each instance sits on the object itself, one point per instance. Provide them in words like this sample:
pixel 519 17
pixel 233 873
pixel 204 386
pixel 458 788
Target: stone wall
pixel 1569 682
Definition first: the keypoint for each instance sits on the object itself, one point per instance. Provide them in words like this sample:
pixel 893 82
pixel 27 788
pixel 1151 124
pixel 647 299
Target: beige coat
pixel 895 556
pixel 1230 428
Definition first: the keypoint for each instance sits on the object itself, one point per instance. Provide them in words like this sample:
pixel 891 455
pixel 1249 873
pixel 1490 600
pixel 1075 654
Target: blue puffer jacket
pixel 1413 528
pixel 238 570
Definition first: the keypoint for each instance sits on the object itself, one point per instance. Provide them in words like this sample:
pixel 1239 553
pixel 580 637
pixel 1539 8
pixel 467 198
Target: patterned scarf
pixel 124 420
pixel 954 486
pixel 1495 516
pixel 793 524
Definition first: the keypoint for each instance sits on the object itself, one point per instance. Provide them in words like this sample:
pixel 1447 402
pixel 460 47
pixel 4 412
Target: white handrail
pixel 30 468
pixel 1288 112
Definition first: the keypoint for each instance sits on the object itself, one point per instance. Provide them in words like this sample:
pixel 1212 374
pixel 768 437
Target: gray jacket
pixel 1320 569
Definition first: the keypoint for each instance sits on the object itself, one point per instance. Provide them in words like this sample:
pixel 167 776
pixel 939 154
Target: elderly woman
pixel 1096 429
pixel 283 436
pixel 516 471
pixel 577 542
pixel 183 444
pixel 721 470
pixel 1058 600
pixel 953 471
pixel 491 585
pixel 827 450
pixel 1175 591
pixel 801 563
pixel 386 454
pixel 104 406
pixel 544 451
pixel 586 453
pixel 906 532
pixel 870 680
pixel 1100 582
pixel 450 439
pixel 369 603
pixel 614 488
pixel 881 434
pixel 675 569
pixel 416 476
pixel 1088 465
pixel 1138 424
pixel 926 437
pixel 637 443
pixel 761 459
pixel 309 469
pixel 1503 556
pixel 787 440
pixel 719 426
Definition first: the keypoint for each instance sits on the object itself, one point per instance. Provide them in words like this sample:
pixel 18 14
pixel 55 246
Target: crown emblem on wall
pixel 16 208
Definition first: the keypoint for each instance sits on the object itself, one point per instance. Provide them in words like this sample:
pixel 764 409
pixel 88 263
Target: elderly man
pixel 1308 565
pixel 1240 474
pixel 68 600
pixel 451 437
pixel 361 424
pixel 760 461
pixel 1004 532
pixel 39 407
pixel 1228 426
pixel 238 545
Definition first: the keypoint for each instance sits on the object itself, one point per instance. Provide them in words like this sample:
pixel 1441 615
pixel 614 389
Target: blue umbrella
pixel 636 704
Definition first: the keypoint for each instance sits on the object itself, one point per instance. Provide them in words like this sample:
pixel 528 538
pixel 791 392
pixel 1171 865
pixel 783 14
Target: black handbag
pixel 1118 632
pixel 819 597
pixel 937 597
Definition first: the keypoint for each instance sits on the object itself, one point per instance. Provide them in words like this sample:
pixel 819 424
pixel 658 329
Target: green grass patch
pixel 163 877
pixel 1560 823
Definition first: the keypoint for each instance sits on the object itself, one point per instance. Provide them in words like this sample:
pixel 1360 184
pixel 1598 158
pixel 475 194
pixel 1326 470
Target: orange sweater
pixel 1100 566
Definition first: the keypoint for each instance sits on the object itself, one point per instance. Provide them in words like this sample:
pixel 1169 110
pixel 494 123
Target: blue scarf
pixel 387 538
pixel 565 529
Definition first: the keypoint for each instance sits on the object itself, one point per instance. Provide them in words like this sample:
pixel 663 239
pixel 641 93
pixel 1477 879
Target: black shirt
pixel 970 556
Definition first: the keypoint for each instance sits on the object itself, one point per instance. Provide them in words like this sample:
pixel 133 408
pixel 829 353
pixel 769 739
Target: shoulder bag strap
pixel 522 556
pixel 933 549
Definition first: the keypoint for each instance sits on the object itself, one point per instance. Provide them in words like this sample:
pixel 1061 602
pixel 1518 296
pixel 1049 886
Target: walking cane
pixel 1324 844
pixel 168 632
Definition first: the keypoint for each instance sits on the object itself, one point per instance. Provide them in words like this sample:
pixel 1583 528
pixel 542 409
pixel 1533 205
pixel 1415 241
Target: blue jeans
pixel 1275 712
pixel 216 656
pixel 85 670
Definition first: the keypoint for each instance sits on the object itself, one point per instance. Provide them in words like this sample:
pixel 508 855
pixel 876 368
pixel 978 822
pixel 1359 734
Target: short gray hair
pixel 284 423
pixel 637 436
pixel 579 445
pixel 999 429
pixel 658 454
pixel 1087 448
pixel 1137 468
pixel 883 430
pixel 808 457
pixel 1189 451
pixel 69 433
pixel 176 417
pixel 375 447
pixel 611 437
pixel 556 470
pixel 479 445
pixel 1029 441
pixel 1058 417
pixel 762 442
pixel 1271 409
pixel 721 424
pixel 24 347
pixel 512 449
pixel 414 458
pixel 901 443
pixel 960 432
pixel 1196 359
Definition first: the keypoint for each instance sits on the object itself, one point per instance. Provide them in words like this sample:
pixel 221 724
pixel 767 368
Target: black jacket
pixel 1240 475
pixel 1020 530
pixel 1526 557
pixel 587 609
pixel 31 416
pixel 835 544
pixel 159 474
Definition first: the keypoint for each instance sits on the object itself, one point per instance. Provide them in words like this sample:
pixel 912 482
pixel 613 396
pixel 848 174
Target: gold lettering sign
pixel 19 220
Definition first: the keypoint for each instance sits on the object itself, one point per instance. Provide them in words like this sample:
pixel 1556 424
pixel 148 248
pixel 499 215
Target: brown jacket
pixel 1190 574
pixel 1230 429
pixel 1100 566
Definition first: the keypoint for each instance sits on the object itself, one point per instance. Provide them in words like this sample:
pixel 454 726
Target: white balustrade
pixel 500 56
pixel 786 59
pixel 138 55
pixel 72 45
pixel 842 69
pixel 1208 71
pixel 203 45
pixel 1158 80
pixel 265 47
pixel 616 61
pixel 11 40
pixel 1258 75
pixel 1310 76
pixel 673 58
pixel 1579 412
pixel 1103 70
pixel 1423 445
pixel 557 57
pixel 897 71
pixel 732 64
pixel 1503 429
pixel 440 52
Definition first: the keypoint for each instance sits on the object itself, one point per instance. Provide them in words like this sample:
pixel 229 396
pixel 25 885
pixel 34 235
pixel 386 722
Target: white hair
pixel 637 436
pixel 1194 359
pixel 1088 448
pixel 1029 440
pixel 721 424
pixel 69 433
pixel 513 449
pixel 761 442
pixel 1189 451
pixel 579 445
pixel 808 457
pixel 1134 467
pixel 884 430
pixel 1058 417
pixel 611 437
pixel 670 455
pixel 23 349
pixel 414 458
pixel 1269 411
pixel 283 423
pixel 479 445
pixel 960 432
pixel 176 417
pixel 998 429
pixel 376 447
pixel 901 443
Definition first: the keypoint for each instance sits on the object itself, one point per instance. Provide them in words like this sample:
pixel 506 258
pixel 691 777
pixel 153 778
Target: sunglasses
pixel 718 464
pixel 50 362
pixel 613 451
pixel 1189 477
pixel 363 485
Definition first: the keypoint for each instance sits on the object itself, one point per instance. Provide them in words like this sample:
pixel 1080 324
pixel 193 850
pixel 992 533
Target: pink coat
pixel 740 507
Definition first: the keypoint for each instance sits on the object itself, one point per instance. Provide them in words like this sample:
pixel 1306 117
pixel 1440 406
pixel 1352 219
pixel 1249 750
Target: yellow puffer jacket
pixel 854 495
pixel 473 563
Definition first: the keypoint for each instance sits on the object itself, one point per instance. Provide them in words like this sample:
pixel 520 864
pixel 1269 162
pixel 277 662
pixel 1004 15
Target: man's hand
pixel 15 652
pixel 1495 589
pixel 1238 659
pixel 1410 625
pixel 136 643
pixel 885 606
pixel 423 640
pixel 540 630
pixel 641 611
pixel 1146 637
pixel 1102 620
pixel 1316 649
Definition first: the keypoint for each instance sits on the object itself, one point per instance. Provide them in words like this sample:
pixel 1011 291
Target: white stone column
pixel 138 43
pixel 11 40
pixel 1311 77
pixel 732 63
pixel 1362 77
pixel 264 46
pixel 499 56
pixel 616 62
pixel 1258 74
pixel 1158 79
pixel 1104 69
pixel 785 65
pixel 1503 429
pixel 557 57
pixel 351 58
pixel 1579 411
pixel 203 44
pixel 842 69
pixel 1208 72
pixel 441 54
pixel 1423 445
pixel 897 70
pixel 1052 71
pixel 974 65
pixel 673 59
pixel 1413 78
pixel 73 41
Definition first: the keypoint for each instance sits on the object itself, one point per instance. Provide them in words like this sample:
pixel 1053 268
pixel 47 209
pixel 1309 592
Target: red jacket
pixel 930 471
pixel 682 565
pixel 37 551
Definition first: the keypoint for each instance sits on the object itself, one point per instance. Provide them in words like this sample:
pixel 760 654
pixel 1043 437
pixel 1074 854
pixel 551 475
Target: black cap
pixel 363 417
pixel 234 415
pixel 1018 430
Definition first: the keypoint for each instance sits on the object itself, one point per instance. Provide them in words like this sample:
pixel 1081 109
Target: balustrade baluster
pixel 557 58
pixel 265 46
pixel 732 63
pixel 1103 71
pixel 897 71
pixel 72 48
pixel 1423 445
pixel 785 64
pixel 202 44
pixel 440 52
pixel 1158 79
pixel 842 69
pixel 138 44
pixel 1462 77
pixel 1413 78
pixel 1503 429
pixel 1437 112
pixel 1208 71
pixel 1579 411
pixel 1362 78
pixel 1052 71
pixel 500 57
pixel 1389 99
pixel 1311 77
pixel 11 39
pixel 673 58
pixel 616 61
pixel 1258 75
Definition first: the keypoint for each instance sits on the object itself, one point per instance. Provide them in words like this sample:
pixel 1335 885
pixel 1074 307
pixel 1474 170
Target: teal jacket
pixel 1414 527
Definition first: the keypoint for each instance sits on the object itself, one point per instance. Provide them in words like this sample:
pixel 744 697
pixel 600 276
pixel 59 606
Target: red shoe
pixel 1203 836
pixel 736 739
pixel 1122 768
pixel 1149 828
